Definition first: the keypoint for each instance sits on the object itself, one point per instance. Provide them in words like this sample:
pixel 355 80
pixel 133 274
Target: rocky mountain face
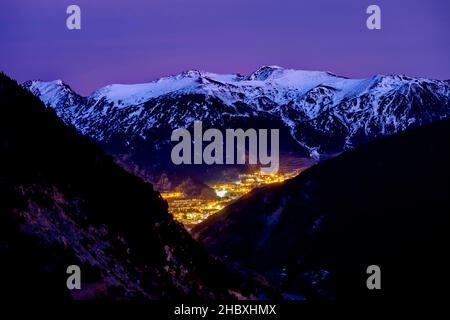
pixel 318 113
pixel 65 202
pixel 386 203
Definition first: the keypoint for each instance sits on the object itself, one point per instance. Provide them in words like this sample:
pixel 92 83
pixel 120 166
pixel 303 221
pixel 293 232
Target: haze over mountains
pixel 318 113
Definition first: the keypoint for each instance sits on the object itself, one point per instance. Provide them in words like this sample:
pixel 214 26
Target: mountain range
pixel 318 113
pixel 382 202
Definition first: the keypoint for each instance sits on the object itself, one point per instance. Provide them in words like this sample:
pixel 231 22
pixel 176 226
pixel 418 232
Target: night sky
pixel 141 40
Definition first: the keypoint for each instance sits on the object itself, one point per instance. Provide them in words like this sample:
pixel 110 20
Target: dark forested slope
pixel 385 203
pixel 64 202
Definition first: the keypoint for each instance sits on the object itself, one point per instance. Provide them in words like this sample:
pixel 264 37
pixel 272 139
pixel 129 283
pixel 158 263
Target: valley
pixel 301 233
pixel 84 193
pixel 191 211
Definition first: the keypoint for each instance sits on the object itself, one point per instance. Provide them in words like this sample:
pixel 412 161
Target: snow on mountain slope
pixel 274 82
pixel 323 112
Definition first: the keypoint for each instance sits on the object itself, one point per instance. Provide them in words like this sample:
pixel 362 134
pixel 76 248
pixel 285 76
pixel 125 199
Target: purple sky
pixel 140 40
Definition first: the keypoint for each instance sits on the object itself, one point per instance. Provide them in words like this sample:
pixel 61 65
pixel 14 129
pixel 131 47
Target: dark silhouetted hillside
pixel 385 203
pixel 64 202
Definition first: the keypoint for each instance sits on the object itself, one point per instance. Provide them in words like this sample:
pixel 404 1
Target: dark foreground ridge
pixel 386 203
pixel 64 202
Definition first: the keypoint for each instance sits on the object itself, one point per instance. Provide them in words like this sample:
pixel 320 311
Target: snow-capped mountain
pixel 318 113
pixel 324 112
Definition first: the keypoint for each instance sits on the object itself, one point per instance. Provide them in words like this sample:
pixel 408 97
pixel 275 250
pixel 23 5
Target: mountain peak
pixel 54 93
pixel 264 72
pixel 192 73
pixel 57 84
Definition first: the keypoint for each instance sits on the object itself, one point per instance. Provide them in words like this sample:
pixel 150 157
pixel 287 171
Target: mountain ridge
pixel 318 113
pixel 384 203
pixel 293 96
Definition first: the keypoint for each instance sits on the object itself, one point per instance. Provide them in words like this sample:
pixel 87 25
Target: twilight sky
pixel 132 41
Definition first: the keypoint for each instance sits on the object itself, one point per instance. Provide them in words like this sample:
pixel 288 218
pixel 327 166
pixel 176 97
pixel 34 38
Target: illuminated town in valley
pixel 191 211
